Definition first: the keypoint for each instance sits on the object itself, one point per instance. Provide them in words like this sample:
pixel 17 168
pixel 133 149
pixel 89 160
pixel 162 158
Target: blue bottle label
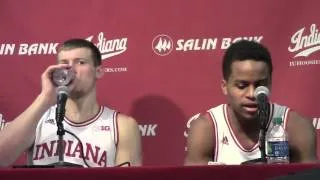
pixel 277 149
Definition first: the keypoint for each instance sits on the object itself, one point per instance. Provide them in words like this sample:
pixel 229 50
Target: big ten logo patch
pixel 101 128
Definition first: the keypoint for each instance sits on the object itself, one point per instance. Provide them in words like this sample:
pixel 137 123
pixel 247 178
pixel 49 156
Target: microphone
pixel 62 96
pixel 261 94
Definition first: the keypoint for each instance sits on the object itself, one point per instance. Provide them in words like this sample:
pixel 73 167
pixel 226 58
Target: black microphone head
pixel 261 90
pixel 62 90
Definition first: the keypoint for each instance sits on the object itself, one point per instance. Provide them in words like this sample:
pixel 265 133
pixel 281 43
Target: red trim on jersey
pixel 213 123
pixel 87 122
pixel 286 118
pixel 227 119
pixel 115 126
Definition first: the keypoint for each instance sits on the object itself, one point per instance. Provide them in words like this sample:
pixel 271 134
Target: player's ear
pixel 99 72
pixel 224 84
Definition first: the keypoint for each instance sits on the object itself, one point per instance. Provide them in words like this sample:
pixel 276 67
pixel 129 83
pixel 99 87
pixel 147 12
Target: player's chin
pixel 76 94
pixel 249 115
pixel 71 86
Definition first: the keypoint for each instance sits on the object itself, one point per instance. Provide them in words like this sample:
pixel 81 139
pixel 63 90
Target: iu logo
pixel 162 45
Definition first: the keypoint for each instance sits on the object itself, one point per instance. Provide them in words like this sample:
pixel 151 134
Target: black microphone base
pixel 53 165
pixel 256 161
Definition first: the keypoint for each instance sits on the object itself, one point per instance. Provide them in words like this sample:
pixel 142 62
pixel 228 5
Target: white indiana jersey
pixel 228 150
pixel 99 137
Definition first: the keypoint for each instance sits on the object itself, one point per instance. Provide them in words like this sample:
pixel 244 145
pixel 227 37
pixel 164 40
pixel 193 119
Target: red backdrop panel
pixel 162 58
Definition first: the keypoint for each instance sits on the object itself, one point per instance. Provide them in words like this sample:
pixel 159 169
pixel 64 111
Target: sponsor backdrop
pixel 162 58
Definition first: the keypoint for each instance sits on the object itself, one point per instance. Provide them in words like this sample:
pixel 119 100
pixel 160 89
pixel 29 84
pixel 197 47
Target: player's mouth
pixel 250 108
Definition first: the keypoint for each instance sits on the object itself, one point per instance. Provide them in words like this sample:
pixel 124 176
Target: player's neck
pixel 82 109
pixel 242 125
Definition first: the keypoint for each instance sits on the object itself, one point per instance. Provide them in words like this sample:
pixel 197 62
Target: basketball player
pixel 228 133
pixel 108 138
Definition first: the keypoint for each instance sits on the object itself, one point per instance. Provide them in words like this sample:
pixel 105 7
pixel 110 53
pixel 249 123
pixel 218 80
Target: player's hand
pixel 48 91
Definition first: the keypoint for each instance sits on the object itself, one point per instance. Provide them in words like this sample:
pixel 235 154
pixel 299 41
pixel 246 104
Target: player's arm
pixel 302 139
pixel 19 135
pixel 129 142
pixel 200 142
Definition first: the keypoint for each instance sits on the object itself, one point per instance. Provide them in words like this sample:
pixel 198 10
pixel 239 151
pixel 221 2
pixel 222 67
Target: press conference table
pixel 163 173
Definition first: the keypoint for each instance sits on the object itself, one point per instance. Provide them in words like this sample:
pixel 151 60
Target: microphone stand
pixel 263 115
pixel 60 112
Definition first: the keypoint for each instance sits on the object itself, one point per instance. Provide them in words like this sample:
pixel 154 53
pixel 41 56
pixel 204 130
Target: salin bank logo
pixel 304 42
pixel 162 45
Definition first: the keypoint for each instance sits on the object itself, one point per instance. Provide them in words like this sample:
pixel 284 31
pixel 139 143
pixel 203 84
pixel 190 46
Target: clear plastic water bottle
pixel 63 77
pixel 277 147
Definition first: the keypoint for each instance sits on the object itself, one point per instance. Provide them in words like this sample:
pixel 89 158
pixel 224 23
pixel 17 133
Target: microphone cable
pixel 82 152
pixel 81 147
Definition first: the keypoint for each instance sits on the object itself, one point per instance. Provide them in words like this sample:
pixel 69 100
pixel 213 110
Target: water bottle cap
pixel 277 120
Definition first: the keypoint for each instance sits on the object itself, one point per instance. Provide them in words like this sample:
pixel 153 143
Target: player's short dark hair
pixel 245 50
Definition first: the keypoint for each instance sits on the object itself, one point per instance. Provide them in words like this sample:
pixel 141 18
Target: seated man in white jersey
pixel 109 138
pixel 229 133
